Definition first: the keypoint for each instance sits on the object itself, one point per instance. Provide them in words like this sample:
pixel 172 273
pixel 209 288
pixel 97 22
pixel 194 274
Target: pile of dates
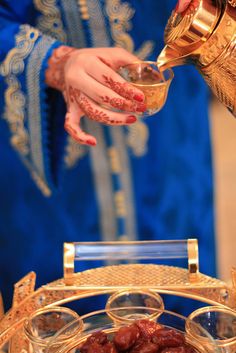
pixel 143 336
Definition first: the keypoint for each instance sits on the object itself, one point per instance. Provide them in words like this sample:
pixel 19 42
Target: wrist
pixel 54 75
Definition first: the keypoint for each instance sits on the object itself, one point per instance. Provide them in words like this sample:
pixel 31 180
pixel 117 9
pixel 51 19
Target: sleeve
pixel 24 52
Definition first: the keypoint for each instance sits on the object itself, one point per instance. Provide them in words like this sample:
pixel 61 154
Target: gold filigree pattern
pixel 15 101
pixel 50 22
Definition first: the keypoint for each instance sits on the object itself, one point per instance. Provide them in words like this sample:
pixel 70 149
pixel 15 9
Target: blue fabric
pixel 172 182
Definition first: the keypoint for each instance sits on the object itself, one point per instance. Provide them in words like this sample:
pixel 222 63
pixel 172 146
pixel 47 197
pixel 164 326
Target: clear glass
pixel 221 325
pixel 131 250
pixel 103 320
pixel 133 298
pixel 145 75
pixel 44 323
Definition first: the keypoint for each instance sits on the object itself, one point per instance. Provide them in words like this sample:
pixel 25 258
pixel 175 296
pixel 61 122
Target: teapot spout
pixel 170 57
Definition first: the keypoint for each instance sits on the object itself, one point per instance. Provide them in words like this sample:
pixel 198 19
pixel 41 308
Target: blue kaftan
pixel 59 191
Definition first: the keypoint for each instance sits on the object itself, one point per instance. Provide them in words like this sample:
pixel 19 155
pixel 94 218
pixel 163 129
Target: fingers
pixel 72 126
pixel 108 77
pixel 105 96
pixel 121 57
pixel 182 5
pixel 79 105
pixel 101 115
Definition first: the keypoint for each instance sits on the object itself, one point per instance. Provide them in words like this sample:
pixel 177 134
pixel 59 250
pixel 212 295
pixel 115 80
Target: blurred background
pixel 224 152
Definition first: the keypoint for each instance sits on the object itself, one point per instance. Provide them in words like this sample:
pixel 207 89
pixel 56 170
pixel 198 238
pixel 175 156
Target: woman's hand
pixel 182 5
pixel 88 79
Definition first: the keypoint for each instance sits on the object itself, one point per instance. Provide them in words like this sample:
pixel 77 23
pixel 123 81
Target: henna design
pixel 100 116
pixel 74 94
pixel 123 89
pixel 92 113
pixel 122 104
pixel 55 71
pixel 75 134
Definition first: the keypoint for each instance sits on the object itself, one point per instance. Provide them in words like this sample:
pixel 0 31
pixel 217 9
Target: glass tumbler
pixel 44 324
pixel 220 323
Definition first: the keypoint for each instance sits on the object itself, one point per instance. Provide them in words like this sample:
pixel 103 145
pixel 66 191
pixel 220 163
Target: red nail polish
pixel 177 6
pixel 139 97
pixel 131 119
pixel 141 108
pixel 91 142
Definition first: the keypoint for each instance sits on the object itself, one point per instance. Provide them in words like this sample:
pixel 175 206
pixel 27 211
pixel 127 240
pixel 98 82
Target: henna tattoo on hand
pixel 56 64
pixel 75 134
pixel 100 116
pixel 92 113
pixel 122 104
pixel 123 89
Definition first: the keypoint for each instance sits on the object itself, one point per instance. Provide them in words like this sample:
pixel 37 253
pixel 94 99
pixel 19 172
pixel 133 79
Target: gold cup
pixel 145 76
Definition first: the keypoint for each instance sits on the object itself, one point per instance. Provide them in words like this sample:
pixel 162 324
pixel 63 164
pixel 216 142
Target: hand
pixel 88 79
pixel 183 5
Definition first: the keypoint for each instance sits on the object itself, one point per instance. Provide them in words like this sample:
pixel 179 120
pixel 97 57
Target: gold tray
pixel 188 283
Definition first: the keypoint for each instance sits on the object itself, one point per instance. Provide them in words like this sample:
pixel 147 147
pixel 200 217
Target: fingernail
pixel 139 97
pixel 131 119
pixel 91 142
pixel 141 108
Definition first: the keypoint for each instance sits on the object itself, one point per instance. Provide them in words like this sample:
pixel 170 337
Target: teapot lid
pixel 194 25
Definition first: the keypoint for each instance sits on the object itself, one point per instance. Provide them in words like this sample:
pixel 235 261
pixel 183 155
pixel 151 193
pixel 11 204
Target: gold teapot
pixel 204 35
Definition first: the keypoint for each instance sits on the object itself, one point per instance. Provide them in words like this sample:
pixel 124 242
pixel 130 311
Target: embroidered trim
pixel 120 15
pixel 126 207
pixel 97 24
pixel 15 101
pixel 74 152
pixel 72 20
pixel 50 22
pixel 36 124
pixel 103 182
pixel 137 138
